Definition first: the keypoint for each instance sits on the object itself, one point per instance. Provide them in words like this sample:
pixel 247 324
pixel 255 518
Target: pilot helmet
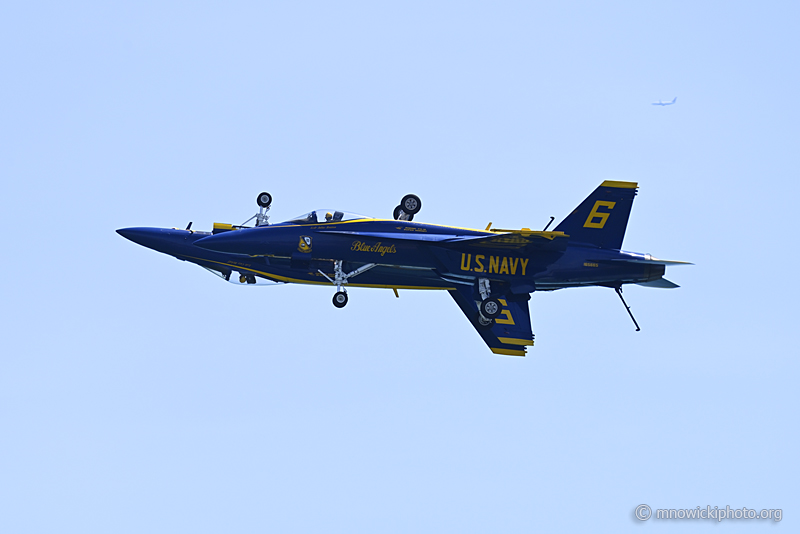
pixel 328 216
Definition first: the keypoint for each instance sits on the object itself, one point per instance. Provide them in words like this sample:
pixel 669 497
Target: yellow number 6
pixel 594 214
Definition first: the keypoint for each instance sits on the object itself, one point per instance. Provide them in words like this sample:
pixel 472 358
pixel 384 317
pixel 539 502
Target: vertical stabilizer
pixel 601 219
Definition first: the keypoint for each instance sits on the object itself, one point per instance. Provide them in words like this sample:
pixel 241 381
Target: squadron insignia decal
pixel 305 244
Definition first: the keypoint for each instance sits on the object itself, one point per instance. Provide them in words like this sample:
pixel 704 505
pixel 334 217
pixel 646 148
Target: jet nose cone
pixel 154 238
pixel 137 235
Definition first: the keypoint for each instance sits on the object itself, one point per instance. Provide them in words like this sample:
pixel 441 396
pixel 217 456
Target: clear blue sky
pixel 141 394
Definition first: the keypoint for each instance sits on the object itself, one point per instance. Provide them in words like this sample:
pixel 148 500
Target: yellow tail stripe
pixel 621 185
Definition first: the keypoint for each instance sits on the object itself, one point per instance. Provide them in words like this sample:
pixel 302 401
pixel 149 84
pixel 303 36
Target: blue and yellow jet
pixel 489 273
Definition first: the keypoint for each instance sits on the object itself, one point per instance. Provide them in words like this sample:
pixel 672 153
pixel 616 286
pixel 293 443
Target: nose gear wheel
pixel 340 299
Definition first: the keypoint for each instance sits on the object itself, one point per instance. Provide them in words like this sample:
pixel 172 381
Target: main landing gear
pixel 340 278
pixel 264 201
pixel 488 308
pixel 409 206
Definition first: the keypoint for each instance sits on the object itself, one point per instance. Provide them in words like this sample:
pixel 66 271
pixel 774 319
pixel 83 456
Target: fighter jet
pixel 489 273
pixel 662 103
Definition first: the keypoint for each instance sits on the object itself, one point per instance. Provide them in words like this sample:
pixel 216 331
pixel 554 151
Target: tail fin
pixel 601 219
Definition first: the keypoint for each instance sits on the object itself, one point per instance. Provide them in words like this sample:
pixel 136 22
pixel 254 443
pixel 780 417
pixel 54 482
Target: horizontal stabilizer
pixel 662 283
pixel 648 259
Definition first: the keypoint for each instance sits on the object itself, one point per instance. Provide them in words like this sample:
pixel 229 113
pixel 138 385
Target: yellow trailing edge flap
pixel 509 352
pixel 515 341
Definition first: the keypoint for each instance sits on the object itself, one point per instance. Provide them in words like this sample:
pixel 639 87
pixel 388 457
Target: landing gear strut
pixel 484 323
pixel 340 279
pixel 264 201
pixel 489 308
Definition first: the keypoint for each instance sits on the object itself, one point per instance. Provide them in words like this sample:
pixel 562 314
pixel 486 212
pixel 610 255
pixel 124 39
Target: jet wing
pixel 520 240
pixel 511 332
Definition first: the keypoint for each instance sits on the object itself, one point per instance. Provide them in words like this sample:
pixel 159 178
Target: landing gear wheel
pixel 491 308
pixel 411 204
pixel 483 323
pixel 264 199
pixel 340 299
pixel 399 211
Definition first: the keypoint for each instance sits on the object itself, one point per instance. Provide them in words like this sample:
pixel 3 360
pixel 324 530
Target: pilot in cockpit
pixel 336 216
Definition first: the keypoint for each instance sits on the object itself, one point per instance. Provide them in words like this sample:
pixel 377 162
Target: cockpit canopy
pixel 326 216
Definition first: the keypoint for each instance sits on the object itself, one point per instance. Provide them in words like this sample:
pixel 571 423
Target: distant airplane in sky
pixel 660 103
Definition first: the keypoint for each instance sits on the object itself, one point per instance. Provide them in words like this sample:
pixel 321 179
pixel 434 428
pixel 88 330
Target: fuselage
pixel 489 273
pixel 437 256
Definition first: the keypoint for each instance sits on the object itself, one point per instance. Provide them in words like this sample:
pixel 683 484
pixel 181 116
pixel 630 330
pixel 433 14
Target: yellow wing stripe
pixel 508 352
pixel 515 341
